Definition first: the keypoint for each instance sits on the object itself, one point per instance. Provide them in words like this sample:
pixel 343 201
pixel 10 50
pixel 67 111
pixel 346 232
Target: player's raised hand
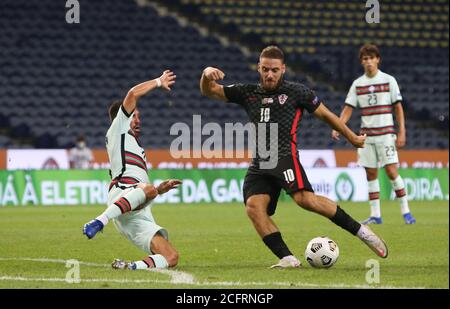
pixel 213 74
pixel 167 79
pixel 359 141
pixel 335 135
pixel 168 185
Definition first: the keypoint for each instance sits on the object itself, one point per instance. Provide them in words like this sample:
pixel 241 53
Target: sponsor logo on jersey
pixel 267 101
pixel 282 98
pixel 360 90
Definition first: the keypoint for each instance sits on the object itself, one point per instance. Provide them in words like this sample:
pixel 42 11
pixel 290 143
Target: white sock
pixel 140 265
pixel 374 198
pixel 152 261
pixel 103 219
pixel 400 192
pixel 126 203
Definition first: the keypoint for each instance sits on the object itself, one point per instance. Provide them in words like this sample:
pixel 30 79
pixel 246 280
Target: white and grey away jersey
pixel 126 155
pixel 375 97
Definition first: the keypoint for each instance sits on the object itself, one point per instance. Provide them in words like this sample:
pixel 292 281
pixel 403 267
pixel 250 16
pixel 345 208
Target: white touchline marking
pixel 205 283
pixel 179 277
pixel 45 260
pixel 10 278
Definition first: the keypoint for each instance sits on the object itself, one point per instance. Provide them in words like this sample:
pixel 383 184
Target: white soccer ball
pixel 321 252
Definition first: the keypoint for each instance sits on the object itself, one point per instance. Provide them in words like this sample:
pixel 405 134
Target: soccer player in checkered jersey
pixel 277 101
pixel 377 95
pixel 130 193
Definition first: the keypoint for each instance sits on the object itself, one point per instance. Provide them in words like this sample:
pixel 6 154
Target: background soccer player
pixel 377 94
pixel 130 193
pixel 275 100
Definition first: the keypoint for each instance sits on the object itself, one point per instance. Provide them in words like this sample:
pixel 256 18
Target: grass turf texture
pixel 219 247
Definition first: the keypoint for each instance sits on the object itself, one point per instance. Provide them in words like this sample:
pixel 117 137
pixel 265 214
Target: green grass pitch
pixel 220 249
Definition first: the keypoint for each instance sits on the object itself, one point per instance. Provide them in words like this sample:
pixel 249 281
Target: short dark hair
pixel 80 138
pixel 272 52
pixel 369 50
pixel 114 109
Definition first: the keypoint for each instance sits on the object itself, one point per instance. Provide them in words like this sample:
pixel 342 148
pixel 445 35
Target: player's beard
pixel 137 130
pixel 264 85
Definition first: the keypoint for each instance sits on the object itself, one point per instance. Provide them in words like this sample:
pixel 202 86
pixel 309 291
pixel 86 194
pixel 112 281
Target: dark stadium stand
pixel 322 38
pixel 58 79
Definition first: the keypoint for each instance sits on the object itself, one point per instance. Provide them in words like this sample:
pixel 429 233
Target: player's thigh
pixel 367 156
pixel 140 228
pixel 291 176
pixel 261 191
pixel 387 151
pixel 116 193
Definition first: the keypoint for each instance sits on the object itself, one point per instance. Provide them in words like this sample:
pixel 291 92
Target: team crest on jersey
pixel 371 89
pixel 267 101
pixel 282 98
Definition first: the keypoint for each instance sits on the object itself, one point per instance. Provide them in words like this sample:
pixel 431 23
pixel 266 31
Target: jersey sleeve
pixel 307 99
pixel 352 98
pixel 396 96
pixel 235 93
pixel 121 124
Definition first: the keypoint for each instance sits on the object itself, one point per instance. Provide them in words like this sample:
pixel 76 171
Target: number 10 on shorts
pixel 289 175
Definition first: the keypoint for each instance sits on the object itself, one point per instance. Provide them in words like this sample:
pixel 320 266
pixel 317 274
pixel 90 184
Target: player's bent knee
pixel 392 173
pixel 253 210
pixel 250 211
pixel 299 198
pixel 306 201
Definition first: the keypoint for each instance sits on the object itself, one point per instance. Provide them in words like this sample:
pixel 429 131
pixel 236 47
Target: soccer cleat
pixel 372 220
pixel 373 241
pixel 409 219
pixel 92 227
pixel 289 261
pixel 119 264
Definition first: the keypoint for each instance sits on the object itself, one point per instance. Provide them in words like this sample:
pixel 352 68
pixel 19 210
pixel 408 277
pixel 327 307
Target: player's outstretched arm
pixel 165 81
pixel 209 86
pixel 345 116
pixel 168 185
pixel 337 124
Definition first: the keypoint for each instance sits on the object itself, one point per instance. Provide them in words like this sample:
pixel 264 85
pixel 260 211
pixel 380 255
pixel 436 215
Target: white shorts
pixel 379 153
pixel 138 226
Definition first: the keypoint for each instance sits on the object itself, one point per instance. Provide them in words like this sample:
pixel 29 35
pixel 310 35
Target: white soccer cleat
pixel 373 241
pixel 120 264
pixel 289 261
